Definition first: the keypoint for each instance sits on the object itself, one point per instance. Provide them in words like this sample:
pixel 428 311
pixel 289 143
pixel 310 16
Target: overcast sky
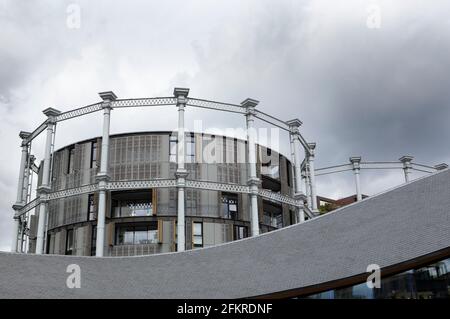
pixel 363 84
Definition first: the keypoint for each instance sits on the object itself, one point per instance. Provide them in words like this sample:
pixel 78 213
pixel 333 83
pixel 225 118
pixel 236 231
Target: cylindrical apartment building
pixel 152 192
pixel 141 219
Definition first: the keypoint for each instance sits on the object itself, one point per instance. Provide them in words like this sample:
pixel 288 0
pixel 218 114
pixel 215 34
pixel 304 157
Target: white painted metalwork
pixel 312 175
pixel 253 181
pixel 79 112
pixel 73 192
pixel 232 188
pixel 355 161
pixel 279 198
pixel 36 132
pixel 29 206
pixel 302 170
pixel 142 184
pixel 21 195
pixel 294 133
pixel 152 101
pixel 23 160
pixel 51 113
pixel 102 176
pixel 181 173
pixel 227 107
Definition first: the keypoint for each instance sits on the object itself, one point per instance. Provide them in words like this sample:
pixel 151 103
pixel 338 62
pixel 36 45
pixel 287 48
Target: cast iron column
pixel 19 199
pixel 307 186
pixel 181 173
pixel 406 160
pixel 44 188
pixel 253 180
pixel 103 175
pixel 312 176
pixel 356 161
pixel 294 126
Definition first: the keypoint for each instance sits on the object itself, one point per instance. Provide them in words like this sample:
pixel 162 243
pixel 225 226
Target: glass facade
pixel 137 234
pixel 94 151
pixel 272 214
pixel 70 163
pixel 152 156
pixel 92 215
pixel 132 204
pixel 429 282
pixel 229 206
pixel 69 242
pixel 197 234
pixel 240 232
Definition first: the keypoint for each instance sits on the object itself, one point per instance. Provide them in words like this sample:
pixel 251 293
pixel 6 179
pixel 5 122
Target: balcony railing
pixel 134 250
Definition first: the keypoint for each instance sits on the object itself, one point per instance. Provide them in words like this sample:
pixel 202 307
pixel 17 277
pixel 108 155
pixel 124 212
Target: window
pixel 190 148
pixel 197 234
pixel 273 219
pixel 137 234
pixel 429 282
pixel 93 240
pixel 132 208
pixel 94 154
pixel 292 217
pixel 240 232
pixel 173 141
pixel 272 214
pixel 289 173
pixel 191 199
pixel 229 206
pixel 69 242
pixel 132 204
pixel 230 150
pixel 47 243
pixel 91 208
pixel 70 163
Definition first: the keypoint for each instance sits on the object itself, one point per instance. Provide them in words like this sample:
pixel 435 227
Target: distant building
pixel 326 204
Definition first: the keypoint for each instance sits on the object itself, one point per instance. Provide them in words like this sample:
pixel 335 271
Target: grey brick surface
pixel 396 226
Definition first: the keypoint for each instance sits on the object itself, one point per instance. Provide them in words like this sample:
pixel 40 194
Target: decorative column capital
pixel 103 184
pixel 181 175
pixel 294 126
pixel 17 207
pixel 254 183
pixel 24 136
pixel 43 189
pixel 43 197
pixel 406 160
pixel 102 177
pixel 312 147
pixel 51 113
pixel 300 197
pixel 250 105
pixel 355 161
pixel 441 166
pixel 181 95
pixel 107 97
